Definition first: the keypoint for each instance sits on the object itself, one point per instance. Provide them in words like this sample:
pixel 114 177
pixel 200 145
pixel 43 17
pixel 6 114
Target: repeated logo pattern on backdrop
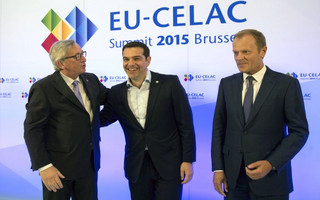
pixel 76 26
pixel 188 77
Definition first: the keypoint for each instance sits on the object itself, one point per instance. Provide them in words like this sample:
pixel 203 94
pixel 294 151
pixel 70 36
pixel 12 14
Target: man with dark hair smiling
pixel 156 118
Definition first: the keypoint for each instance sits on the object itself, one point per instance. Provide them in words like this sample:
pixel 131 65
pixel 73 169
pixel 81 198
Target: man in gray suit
pixel 251 149
pixel 62 125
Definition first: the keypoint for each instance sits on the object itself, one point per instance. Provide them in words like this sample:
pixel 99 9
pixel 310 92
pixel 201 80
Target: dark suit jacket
pixel 278 107
pixel 168 133
pixel 57 127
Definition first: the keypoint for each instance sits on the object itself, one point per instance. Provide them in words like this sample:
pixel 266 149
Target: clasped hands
pixel 255 171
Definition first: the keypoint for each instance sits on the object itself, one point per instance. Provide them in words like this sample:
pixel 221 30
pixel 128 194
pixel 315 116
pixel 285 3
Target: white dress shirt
pixel 84 96
pixel 256 83
pixel 138 99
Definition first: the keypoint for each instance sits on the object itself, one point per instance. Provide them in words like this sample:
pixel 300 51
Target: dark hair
pixel 146 50
pixel 258 36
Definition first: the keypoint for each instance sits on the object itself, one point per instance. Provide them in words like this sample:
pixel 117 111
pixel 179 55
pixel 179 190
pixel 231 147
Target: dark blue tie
pixel 76 91
pixel 248 99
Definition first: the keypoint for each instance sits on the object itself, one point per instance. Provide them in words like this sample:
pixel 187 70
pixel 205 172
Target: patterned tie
pixel 76 91
pixel 248 99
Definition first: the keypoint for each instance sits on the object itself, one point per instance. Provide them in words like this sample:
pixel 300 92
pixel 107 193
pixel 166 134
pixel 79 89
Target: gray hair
pixel 59 50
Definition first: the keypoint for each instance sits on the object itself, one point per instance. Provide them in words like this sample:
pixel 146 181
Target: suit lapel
pixel 153 94
pixel 87 89
pixel 123 97
pixel 264 91
pixel 237 90
pixel 64 89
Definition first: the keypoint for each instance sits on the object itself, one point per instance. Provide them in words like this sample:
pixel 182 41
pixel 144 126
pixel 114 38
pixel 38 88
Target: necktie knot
pixel 250 79
pixel 75 83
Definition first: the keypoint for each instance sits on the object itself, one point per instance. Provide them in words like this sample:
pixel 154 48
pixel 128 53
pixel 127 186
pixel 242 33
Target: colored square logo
pixel 77 26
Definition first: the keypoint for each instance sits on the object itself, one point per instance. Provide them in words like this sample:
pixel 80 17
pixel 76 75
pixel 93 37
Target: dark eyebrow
pixel 134 57
pixel 137 56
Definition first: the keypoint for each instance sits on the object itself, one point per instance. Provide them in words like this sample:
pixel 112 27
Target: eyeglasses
pixel 77 56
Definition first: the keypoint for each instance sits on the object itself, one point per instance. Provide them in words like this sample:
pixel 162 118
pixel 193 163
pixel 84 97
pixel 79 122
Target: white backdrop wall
pixel 189 38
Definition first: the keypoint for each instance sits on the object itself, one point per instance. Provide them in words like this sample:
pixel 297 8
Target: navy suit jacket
pixel 276 130
pixel 168 132
pixel 57 127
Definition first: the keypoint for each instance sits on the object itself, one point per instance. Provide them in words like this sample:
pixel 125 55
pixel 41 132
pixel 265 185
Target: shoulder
pixel 89 76
pixel 231 78
pixel 164 77
pixel 119 86
pixel 280 77
pixel 44 82
pixel 91 79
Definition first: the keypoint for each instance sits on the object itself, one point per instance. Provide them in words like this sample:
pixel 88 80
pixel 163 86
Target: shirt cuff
pixel 45 167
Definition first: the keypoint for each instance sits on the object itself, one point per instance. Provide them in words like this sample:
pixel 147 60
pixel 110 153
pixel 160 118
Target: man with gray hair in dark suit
pixel 62 126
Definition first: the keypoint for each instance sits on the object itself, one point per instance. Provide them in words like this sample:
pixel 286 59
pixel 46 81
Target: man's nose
pixel 239 56
pixel 83 59
pixel 131 62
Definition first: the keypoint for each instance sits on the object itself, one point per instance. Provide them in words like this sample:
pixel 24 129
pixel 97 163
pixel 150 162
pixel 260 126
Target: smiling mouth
pixel 131 69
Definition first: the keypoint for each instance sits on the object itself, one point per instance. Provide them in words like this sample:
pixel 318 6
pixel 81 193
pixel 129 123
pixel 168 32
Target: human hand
pixel 258 170
pixel 219 178
pixel 186 172
pixel 51 178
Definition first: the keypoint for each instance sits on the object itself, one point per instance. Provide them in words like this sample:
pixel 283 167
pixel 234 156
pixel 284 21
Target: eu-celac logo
pixel 188 77
pixel 294 75
pixel 79 28
pixel 103 79
pixel 24 95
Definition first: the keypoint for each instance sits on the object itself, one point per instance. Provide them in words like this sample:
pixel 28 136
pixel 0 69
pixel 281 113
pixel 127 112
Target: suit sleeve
pixel 104 92
pixel 218 131
pixel 297 125
pixel 107 115
pixel 184 121
pixel 34 126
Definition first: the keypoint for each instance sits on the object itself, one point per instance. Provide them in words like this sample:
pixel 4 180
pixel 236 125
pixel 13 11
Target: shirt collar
pixel 69 80
pixel 146 80
pixel 257 76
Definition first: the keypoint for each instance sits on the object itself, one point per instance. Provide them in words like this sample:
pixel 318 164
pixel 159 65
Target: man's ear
pixel 60 64
pixel 148 61
pixel 263 51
